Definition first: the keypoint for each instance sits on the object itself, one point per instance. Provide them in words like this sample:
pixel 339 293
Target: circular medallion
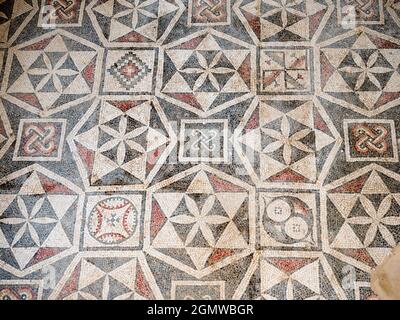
pixel 278 210
pixel 296 228
pixel 112 220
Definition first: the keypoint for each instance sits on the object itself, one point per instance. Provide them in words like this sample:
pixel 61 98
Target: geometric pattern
pixel 363 291
pixel 112 221
pixel 6 134
pixel 100 276
pixel 292 140
pixel 21 290
pixel 285 275
pixel 198 290
pixel 120 23
pixel 370 140
pixel 202 220
pixel 120 72
pixel 52 72
pixel 14 16
pixel 366 12
pixel 37 219
pixel 40 140
pixel 288 220
pixel 284 71
pixel 284 21
pixel 393 7
pixel 202 140
pixel 360 71
pixel 129 71
pixel 1 58
pixel 121 141
pixel 209 13
pixel 362 216
pixel 206 71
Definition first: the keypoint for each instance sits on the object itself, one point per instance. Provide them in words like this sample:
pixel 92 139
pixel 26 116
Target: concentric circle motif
pixel 113 220
pixel 288 219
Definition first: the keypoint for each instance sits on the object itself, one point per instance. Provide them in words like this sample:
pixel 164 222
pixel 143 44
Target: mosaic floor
pixel 200 149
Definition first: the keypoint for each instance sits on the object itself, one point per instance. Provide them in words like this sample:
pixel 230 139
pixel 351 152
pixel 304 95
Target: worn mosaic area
pixel 197 149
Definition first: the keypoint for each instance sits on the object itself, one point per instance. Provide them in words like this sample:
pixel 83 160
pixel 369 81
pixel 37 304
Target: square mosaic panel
pixel 129 71
pixel 371 140
pixel 204 141
pixel 284 71
pixel 61 13
pixel 112 222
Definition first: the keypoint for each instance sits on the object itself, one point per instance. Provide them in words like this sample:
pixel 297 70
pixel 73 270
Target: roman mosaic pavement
pixel 197 149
